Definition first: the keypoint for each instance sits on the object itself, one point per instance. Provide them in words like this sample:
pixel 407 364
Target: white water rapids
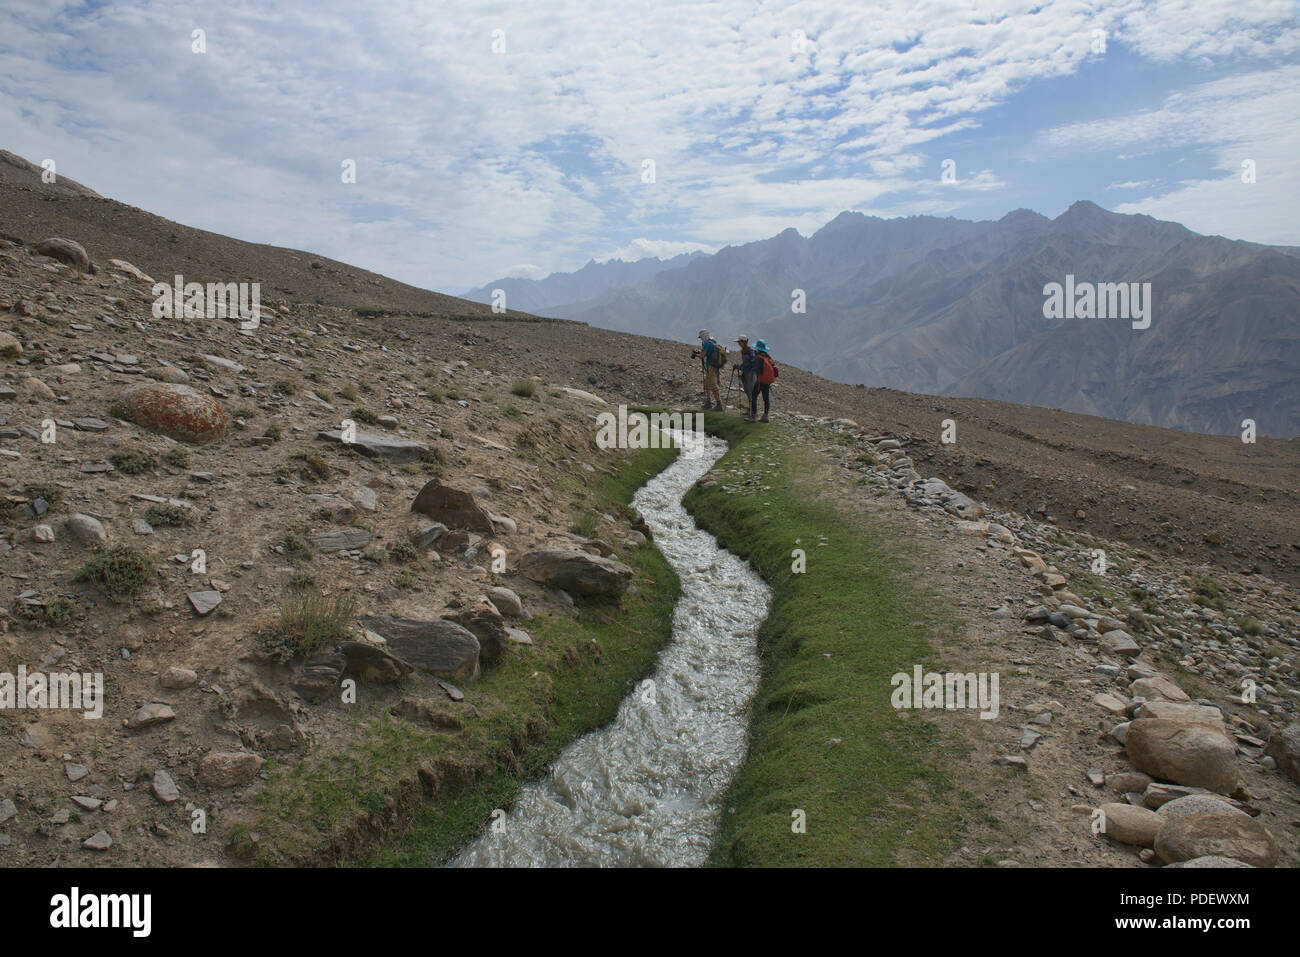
pixel 647 790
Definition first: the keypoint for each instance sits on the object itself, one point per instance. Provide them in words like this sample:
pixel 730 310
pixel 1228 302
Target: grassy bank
pixel 825 740
pixel 528 707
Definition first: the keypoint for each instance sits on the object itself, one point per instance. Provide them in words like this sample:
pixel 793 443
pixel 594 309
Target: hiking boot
pixel 708 406
pixel 765 418
pixel 719 406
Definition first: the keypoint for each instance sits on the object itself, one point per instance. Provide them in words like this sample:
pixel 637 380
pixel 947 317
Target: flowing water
pixel 647 790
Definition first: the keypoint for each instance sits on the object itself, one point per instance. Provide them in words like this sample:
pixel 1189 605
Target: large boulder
pixel 1284 748
pixel 372 664
pixel 1186 712
pixel 576 571
pixel 483 619
pixel 174 410
pixel 65 250
pixel 1237 836
pixel 453 507
pixel 443 647
pixel 1183 753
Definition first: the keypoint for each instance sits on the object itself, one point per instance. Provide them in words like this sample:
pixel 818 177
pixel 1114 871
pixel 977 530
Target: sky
pixel 494 139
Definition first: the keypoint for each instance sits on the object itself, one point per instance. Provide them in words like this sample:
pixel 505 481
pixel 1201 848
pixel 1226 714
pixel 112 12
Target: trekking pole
pixel 726 399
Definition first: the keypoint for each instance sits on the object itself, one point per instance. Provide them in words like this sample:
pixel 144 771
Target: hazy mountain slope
pixel 946 306
pixel 592 280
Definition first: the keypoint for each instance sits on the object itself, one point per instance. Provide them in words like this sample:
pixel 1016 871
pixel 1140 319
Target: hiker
pixel 767 373
pixel 712 357
pixel 748 372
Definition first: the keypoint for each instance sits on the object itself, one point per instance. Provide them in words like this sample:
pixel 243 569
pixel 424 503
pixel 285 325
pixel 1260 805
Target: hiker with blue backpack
pixel 712 358
pixel 766 376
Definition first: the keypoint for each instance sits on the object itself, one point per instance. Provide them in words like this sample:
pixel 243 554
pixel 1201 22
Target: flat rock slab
pixel 377 446
pixel 342 540
pixel 576 571
pixel 150 715
pixel 440 646
pixel 164 788
pixel 204 602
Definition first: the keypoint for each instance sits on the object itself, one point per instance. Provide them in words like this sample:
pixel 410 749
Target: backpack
pixel 767 371
pixel 719 355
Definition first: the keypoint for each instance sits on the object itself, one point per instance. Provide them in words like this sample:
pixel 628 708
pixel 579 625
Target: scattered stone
pixel 344 539
pixel 228 769
pixel 483 619
pixel 1120 643
pixel 86 529
pixel 7 810
pixel 178 678
pixel 1131 825
pixel 86 802
pixel 320 676
pixel 452 507
pixel 1157 686
pixel 74 771
pixel 507 602
pixel 1126 782
pixel 164 788
pixel 204 602
pixel 150 715
pixel 99 841
pixel 1012 761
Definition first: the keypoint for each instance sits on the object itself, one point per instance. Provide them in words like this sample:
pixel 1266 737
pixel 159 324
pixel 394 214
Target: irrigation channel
pixel 647 790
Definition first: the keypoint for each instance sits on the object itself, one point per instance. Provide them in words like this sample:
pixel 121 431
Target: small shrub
pixel 296 545
pixel 585 524
pixel 526 388
pixel 285 386
pixel 120 573
pixel 52 494
pixel 349 392
pixel 161 515
pixel 177 456
pixel 1251 626
pixel 134 461
pixel 308 623
pixel 317 467
pixel 273 433
pixel 302 581
pixel 373 553
pixel 403 552
pixel 56 612
pixel 362 414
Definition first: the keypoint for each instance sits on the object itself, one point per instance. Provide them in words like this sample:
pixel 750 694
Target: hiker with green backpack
pixel 712 357
pixel 767 373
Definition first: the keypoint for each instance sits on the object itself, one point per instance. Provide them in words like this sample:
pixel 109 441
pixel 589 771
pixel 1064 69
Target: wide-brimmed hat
pixel 704 334
pixel 761 344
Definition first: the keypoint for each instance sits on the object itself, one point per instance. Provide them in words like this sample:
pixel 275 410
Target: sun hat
pixel 742 338
pixel 761 344
pixel 704 334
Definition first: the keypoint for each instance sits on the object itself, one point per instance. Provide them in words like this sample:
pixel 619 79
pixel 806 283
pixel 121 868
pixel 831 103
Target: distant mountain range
pixel 951 307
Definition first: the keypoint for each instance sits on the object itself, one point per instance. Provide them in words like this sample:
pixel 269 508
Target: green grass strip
pixel 871 781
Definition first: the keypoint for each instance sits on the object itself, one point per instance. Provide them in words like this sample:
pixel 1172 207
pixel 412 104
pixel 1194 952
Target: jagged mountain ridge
pixel 952 307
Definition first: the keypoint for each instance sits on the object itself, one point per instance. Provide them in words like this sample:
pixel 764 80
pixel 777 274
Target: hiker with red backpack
pixel 767 373
pixel 712 357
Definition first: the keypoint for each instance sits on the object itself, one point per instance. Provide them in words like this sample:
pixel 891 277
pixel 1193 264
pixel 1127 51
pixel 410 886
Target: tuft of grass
pixel 177 456
pixel 316 466
pixel 120 573
pixel 403 552
pixel 134 461
pixel 273 432
pixel 296 545
pixel 285 386
pixel 373 553
pixel 364 415
pixel 308 623
pixel 349 392
pixel 527 388
pixel 585 524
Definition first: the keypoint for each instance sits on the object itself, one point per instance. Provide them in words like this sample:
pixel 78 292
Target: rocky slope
pixel 232 448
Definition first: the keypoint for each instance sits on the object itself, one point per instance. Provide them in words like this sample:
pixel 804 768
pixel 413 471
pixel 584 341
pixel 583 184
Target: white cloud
pixel 454 172
pixel 642 248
